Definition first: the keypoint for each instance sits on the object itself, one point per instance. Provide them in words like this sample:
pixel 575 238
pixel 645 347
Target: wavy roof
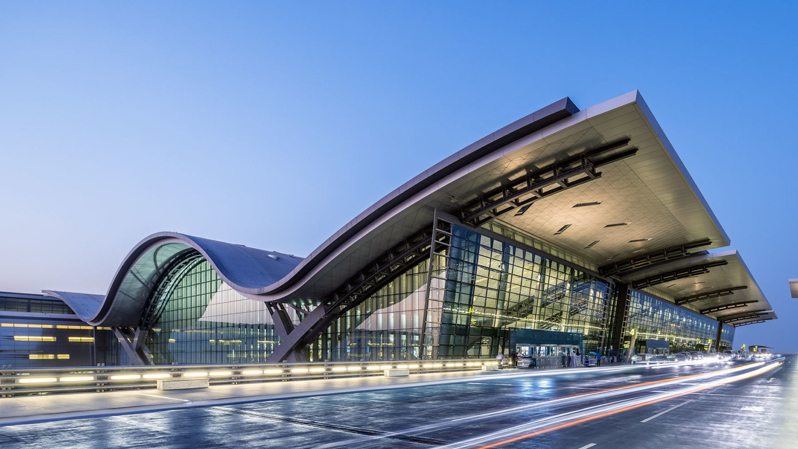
pixel 239 266
pixel 653 187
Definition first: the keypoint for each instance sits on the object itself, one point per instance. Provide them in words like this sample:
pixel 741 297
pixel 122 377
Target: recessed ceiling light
pixel 522 210
pixel 639 240
pixel 592 244
pixel 592 203
pixel 562 229
pixel 615 225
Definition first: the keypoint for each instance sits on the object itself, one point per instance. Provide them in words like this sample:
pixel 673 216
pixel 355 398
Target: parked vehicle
pixel 696 356
pixel 657 360
pixel 526 362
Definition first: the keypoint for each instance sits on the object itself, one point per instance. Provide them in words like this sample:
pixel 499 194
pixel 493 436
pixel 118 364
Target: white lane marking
pixel 523 430
pixel 667 410
pixel 738 396
pixel 587 446
pixel 448 423
pixel 164 397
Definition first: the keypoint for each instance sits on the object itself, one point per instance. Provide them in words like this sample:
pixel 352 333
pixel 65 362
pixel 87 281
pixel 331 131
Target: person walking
pixel 500 359
pixel 573 360
pixel 598 358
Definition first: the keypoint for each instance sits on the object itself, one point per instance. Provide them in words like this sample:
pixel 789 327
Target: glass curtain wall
pixel 727 338
pixel 481 290
pixel 651 318
pixel 385 326
pixel 494 287
pixel 206 321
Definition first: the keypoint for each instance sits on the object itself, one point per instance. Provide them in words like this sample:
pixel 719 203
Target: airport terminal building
pixel 567 228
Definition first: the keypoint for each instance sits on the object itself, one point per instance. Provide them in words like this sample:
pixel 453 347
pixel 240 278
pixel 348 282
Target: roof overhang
pixel 743 319
pixel 651 192
pixel 794 288
pixel 715 284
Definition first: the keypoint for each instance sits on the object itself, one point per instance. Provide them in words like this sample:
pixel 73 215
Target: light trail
pixel 564 420
pixel 578 397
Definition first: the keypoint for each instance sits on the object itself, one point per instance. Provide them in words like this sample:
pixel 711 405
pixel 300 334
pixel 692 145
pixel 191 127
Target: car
pixel 526 362
pixel 644 357
pixel 681 357
pixel 657 360
pixel 696 356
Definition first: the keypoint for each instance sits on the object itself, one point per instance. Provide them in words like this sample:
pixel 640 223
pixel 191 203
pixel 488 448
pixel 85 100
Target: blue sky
pixel 272 124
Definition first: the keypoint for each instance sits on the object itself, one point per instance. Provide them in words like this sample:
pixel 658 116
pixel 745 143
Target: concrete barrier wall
pixel 99 379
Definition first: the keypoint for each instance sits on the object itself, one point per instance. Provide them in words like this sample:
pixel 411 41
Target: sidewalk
pixel 32 409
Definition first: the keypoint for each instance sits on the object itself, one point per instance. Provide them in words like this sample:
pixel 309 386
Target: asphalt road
pixel 707 406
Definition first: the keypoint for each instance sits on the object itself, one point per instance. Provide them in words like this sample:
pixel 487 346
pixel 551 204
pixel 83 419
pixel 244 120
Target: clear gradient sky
pixel 272 125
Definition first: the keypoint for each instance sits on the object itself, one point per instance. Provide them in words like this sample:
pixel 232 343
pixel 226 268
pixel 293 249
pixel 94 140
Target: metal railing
pixel 16 382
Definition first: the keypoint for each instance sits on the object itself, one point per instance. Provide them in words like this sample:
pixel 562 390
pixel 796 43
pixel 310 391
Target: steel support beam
pixel 446 228
pixel 174 270
pixel 284 326
pixel 679 273
pixel 731 317
pixel 541 182
pixel 624 267
pixel 376 275
pixel 381 271
pixel 620 315
pixel 743 317
pixel 132 341
pixel 709 295
pixel 750 322
pixel 291 346
pixel 735 305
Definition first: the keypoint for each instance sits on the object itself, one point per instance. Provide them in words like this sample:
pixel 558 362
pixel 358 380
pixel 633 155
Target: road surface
pixel 730 405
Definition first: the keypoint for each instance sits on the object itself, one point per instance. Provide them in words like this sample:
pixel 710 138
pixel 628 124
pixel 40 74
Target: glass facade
pixel 727 338
pixel 385 326
pixel 204 321
pixel 483 294
pixel 494 287
pixel 651 318
pixel 481 290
